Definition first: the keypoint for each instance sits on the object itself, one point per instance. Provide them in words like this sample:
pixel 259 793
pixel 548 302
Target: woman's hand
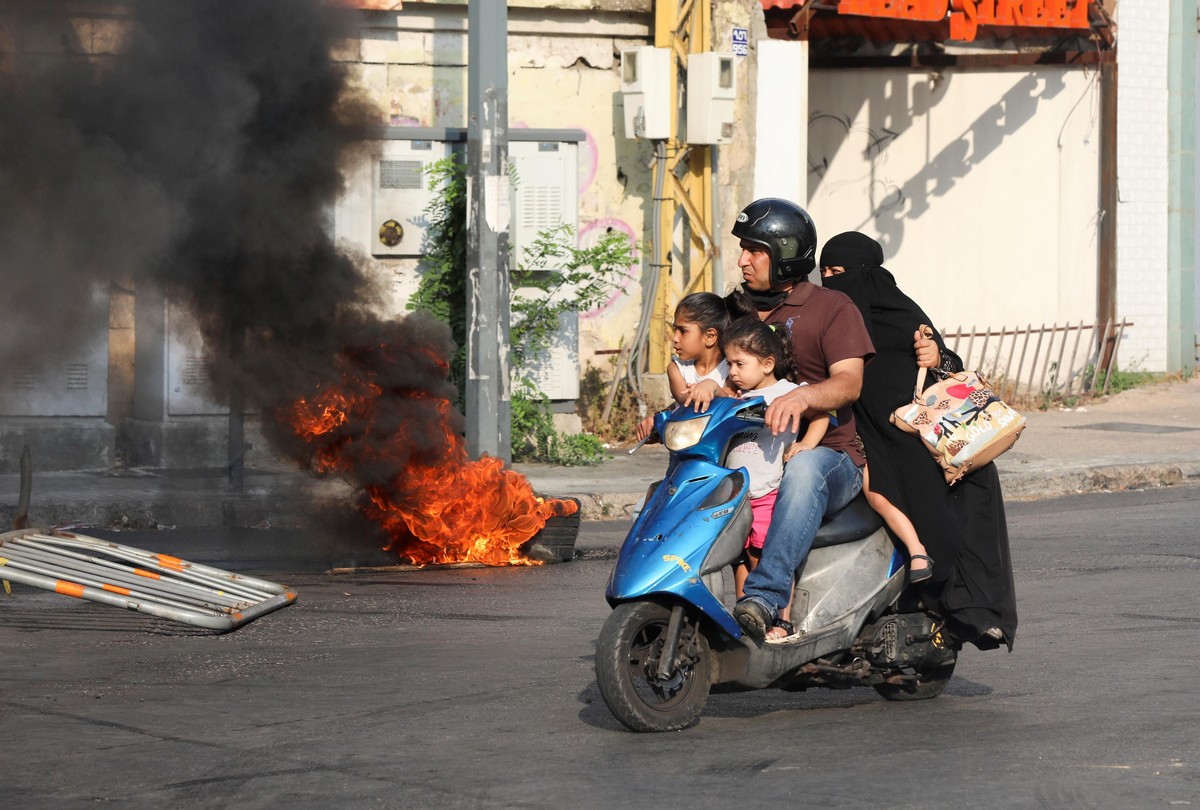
pixel 927 351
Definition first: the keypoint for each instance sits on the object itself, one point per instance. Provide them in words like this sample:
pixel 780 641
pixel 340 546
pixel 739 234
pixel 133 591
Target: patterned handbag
pixel 961 421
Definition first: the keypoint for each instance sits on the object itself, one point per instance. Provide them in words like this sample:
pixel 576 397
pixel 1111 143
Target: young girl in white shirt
pixel 699 372
pixel 759 356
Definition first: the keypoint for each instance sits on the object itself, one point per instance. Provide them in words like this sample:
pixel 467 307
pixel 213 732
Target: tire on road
pixel 627 657
pixel 929 684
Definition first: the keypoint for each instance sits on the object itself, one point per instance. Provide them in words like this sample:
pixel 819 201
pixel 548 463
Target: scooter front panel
pixel 672 539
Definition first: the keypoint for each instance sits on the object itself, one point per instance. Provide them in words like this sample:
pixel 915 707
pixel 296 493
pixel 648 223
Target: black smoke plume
pixel 197 152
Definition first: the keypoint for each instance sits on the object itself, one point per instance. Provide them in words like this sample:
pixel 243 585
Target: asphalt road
pixel 475 688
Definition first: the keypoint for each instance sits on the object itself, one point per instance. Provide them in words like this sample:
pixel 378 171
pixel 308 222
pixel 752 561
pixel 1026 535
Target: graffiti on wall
pixel 830 133
pixel 591 230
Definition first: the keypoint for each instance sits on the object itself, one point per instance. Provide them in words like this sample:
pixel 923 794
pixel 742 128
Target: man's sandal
pixel 921 574
pixel 787 627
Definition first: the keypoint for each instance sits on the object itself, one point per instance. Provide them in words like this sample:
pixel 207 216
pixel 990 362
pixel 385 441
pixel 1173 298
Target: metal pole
pixel 489 411
pixel 1106 289
pixel 236 439
pixel 21 519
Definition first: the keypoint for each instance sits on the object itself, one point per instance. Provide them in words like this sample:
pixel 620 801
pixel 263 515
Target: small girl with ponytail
pixel 760 364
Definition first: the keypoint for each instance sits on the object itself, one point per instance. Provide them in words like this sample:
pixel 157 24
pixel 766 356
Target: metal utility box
pixel 189 387
pixel 711 90
pixel 545 189
pixel 400 194
pixel 71 382
pixel 646 91
pixel 545 195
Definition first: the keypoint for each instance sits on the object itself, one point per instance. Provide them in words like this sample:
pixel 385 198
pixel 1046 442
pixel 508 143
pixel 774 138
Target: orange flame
pixel 435 504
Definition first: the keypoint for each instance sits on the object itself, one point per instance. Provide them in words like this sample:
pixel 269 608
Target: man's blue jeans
pixel 815 482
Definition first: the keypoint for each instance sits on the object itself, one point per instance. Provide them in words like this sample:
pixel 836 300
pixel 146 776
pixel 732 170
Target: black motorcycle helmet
pixel 786 231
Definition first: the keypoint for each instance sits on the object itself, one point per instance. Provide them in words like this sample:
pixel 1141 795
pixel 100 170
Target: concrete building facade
pixel 983 185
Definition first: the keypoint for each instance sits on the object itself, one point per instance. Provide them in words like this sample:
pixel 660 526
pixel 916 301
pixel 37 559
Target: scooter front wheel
pixel 628 655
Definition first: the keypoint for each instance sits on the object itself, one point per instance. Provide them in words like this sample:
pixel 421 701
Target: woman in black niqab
pixel 963 527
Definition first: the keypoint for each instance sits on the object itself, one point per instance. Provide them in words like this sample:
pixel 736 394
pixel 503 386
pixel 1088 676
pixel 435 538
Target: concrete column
pixel 1181 216
pixel 781 121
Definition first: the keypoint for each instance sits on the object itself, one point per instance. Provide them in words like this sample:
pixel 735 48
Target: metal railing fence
pixel 1055 361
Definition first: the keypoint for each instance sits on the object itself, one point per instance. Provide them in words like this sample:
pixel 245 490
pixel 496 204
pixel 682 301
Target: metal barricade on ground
pixel 132 578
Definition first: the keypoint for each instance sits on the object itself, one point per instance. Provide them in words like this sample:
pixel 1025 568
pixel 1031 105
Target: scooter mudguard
pixel 694 523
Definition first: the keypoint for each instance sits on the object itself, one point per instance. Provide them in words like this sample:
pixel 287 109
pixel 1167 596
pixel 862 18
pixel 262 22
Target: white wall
pixel 780 135
pixel 1142 182
pixel 981 185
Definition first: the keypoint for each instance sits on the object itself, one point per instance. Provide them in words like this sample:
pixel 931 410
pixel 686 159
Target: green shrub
pixel 564 277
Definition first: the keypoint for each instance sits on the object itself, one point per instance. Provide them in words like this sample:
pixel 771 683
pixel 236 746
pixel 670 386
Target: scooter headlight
pixel 680 435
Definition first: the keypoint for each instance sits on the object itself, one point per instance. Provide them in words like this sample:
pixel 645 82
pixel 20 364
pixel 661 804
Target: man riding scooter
pixel 670 636
pixel 831 347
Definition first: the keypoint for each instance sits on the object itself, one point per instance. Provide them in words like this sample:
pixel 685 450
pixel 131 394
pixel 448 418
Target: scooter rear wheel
pixel 929 684
pixel 627 657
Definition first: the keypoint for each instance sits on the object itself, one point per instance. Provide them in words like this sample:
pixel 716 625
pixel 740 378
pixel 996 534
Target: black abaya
pixel 963 527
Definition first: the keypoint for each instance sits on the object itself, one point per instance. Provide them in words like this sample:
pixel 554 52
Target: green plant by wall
pixel 534 435
pixel 554 276
pixel 595 391
pixel 1125 380
pixel 443 288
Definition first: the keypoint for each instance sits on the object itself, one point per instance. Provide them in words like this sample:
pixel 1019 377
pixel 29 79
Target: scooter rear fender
pixel 694 522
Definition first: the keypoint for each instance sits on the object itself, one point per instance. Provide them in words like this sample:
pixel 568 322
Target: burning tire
pixel 627 663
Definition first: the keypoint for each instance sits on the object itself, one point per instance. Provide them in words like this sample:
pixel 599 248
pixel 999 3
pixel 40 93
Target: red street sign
pixel 967 15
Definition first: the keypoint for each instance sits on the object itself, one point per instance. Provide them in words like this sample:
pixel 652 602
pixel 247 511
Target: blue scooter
pixel 671 635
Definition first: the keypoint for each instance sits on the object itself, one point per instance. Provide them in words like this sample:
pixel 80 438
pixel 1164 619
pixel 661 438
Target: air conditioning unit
pixel 400 195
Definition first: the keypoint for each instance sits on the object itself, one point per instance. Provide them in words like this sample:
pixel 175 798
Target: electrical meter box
pixel 544 193
pixel 61 377
pixel 711 87
pixel 400 194
pixel 646 91
pixel 545 196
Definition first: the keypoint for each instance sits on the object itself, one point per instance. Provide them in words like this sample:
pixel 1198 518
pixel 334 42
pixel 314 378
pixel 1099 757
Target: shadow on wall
pixel 893 202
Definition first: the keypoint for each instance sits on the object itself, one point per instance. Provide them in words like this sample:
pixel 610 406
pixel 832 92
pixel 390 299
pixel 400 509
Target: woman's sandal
pixel 921 574
pixel 787 627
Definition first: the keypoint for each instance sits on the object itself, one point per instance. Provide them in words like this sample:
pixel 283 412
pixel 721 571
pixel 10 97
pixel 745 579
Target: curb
pixel 1108 478
pixel 1016 486
pixel 303 508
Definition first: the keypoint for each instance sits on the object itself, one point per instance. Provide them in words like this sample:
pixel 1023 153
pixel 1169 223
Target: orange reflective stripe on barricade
pixel 167 561
pixel 68 588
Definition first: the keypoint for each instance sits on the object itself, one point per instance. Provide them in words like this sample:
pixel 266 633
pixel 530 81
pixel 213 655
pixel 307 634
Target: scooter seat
pixel 853 522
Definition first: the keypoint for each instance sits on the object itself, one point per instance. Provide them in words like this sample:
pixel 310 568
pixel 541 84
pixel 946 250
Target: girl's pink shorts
pixel 762 509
